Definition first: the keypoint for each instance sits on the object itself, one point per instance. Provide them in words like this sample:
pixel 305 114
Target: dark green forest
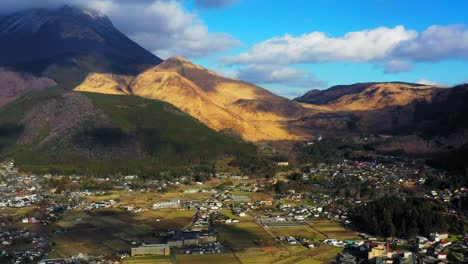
pixel 394 216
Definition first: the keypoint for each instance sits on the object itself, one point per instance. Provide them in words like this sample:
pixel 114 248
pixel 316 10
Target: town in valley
pixel 299 213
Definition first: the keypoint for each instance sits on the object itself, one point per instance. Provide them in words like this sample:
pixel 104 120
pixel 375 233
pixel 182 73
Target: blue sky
pixel 293 46
pixel 255 21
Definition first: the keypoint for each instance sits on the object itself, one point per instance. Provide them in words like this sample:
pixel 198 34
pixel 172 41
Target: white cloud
pixel 394 49
pixel 316 47
pixel 167 29
pixel 436 43
pixel 263 74
pixel 161 26
pixel 428 82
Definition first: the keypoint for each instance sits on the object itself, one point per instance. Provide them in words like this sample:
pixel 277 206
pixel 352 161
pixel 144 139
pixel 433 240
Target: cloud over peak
pixel 164 27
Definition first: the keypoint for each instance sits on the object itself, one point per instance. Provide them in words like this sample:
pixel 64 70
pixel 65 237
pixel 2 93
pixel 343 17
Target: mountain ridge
pixel 219 102
pixel 369 96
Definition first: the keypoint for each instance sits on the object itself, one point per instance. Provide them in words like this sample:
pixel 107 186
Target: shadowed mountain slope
pixel 73 131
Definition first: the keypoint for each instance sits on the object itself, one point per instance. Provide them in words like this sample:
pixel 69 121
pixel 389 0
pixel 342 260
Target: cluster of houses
pixel 447 195
pixel 8 237
pixel 37 249
pixel 380 174
pixel 17 189
pixel 20 201
pixel 437 247
pixel 387 176
pixel 433 249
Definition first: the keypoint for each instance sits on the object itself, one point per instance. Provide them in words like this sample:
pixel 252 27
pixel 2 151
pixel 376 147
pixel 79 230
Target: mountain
pixel 424 120
pixel 80 49
pixel 14 84
pixel 369 96
pixel 45 126
pixel 368 107
pixel 63 131
pixel 322 97
pixel 219 102
pixel 67 43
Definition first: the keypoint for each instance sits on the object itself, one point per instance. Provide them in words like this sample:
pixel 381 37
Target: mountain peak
pixel 179 59
pixel 81 11
pixel 32 20
pixel 177 63
pixel 67 33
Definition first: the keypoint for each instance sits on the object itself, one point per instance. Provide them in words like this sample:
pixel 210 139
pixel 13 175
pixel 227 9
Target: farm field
pixel 254 244
pixel 116 229
pixel 250 241
pixel 106 231
pixel 297 231
pixel 254 196
pixel 331 229
pixel 148 260
pixel 225 258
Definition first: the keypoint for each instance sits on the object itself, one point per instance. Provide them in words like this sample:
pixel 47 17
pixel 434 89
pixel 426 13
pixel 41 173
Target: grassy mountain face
pixel 219 102
pixel 71 131
pixel 369 96
pixel 322 97
pixel 68 44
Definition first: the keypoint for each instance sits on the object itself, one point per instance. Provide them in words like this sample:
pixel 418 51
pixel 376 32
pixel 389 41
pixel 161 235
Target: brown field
pixel 106 231
pixel 225 258
pixel 333 229
pixel 253 244
pixel 148 260
pixel 299 231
